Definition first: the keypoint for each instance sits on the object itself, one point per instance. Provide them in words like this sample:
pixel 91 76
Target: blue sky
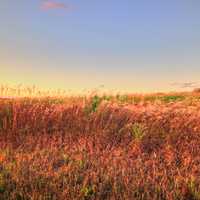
pixel 130 46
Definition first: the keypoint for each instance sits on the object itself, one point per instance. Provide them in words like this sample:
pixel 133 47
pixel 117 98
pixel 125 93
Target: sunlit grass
pixel 100 146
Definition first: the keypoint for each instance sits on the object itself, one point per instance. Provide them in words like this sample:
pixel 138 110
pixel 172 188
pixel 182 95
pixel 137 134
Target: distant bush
pixel 172 98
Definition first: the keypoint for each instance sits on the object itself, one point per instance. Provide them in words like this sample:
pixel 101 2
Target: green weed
pixel 88 192
pixel 137 131
pixel 172 98
pixel 93 104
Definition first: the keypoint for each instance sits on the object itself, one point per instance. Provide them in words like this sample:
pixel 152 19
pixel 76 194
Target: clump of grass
pixel 172 98
pixel 93 104
pixel 151 98
pixel 137 131
pixel 137 99
pixel 122 98
pixel 5 181
pixel 2 183
pixel 107 97
pixel 5 116
pixel 87 192
pixel 192 192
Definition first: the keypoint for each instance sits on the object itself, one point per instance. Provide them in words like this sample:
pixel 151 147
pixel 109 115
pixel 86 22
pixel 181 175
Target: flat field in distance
pixel 100 147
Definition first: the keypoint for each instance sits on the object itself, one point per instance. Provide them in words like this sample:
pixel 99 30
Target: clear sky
pixel 129 45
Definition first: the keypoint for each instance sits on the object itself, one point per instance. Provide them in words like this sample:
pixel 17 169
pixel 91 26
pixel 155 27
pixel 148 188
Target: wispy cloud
pixel 54 5
pixel 186 84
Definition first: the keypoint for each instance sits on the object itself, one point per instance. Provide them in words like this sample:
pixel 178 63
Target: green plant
pixel 107 97
pixel 192 189
pixel 96 100
pixel 93 104
pixel 137 131
pixel 87 192
pixel 172 98
pixel 122 98
pixel 2 184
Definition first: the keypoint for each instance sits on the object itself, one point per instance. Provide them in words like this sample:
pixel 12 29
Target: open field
pixel 100 147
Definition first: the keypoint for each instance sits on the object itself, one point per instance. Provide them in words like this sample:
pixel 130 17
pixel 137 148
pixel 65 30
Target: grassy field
pixel 100 147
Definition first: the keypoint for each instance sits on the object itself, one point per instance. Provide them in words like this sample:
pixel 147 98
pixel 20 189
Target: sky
pixel 76 45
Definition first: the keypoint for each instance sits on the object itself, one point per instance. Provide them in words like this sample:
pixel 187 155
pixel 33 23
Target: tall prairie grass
pixel 100 147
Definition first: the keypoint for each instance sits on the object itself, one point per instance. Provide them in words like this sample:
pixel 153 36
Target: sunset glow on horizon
pixel 125 46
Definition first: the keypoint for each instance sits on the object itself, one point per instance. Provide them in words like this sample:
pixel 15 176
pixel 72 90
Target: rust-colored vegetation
pixel 100 147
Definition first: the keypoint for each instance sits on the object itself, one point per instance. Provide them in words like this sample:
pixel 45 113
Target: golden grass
pixel 100 147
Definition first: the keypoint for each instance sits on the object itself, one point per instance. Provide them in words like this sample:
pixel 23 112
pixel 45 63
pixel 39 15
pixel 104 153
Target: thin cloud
pixel 53 5
pixel 186 84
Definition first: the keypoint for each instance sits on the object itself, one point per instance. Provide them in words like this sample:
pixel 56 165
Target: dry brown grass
pixel 119 147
